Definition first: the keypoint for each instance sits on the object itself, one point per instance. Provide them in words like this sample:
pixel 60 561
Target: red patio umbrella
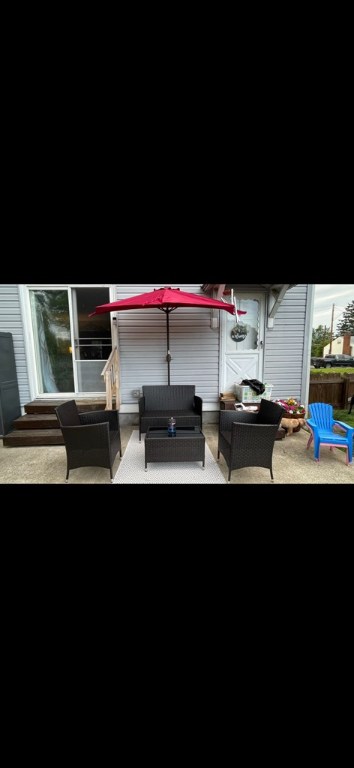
pixel 167 300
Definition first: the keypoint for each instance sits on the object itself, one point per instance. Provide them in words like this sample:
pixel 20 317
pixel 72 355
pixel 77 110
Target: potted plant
pixel 292 408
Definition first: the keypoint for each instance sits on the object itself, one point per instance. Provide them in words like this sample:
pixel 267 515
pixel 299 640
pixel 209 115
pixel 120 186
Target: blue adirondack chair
pixel 321 424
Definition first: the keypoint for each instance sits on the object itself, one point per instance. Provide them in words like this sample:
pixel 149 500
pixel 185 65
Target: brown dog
pixel 291 424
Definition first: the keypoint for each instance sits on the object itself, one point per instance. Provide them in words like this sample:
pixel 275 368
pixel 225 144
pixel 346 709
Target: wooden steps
pixel 36 421
pixel 46 406
pixel 39 425
pixel 31 437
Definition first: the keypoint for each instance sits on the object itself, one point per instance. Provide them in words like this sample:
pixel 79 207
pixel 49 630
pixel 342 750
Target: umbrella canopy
pixel 167 300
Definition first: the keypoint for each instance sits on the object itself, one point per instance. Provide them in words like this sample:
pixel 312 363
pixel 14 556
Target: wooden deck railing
pixel 110 374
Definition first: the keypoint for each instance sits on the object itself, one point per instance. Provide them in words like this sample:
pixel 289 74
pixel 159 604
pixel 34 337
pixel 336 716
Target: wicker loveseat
pixel 159 402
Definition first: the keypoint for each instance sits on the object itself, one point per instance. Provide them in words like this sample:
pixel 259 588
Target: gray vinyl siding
pixel 285 347
pixel 194 347
pixel 11 322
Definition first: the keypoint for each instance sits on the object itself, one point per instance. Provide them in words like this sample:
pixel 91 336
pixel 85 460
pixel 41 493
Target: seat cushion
pixel 327 436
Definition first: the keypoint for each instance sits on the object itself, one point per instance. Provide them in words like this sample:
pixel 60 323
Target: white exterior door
pixel 242 359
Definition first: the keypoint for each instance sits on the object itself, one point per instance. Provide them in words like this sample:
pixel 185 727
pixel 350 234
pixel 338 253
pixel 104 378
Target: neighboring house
pixel 60 352
pixel 343 345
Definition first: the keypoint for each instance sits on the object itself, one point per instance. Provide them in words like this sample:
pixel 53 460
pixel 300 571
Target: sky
pixel 325 296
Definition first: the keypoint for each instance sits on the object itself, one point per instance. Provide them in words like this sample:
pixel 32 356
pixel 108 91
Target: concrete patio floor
pixel 292 463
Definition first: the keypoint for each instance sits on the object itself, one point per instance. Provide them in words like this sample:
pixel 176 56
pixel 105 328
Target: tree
pixel 321 336
pixel 346 324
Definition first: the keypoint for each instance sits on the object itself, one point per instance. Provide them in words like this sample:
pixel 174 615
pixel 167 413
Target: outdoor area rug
pixel 132 468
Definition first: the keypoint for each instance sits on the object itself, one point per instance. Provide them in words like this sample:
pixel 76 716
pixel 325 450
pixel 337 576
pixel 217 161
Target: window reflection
pixel 50 318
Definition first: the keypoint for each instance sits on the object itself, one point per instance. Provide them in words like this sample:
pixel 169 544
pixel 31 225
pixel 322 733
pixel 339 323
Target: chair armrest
pixel 245 418
pixel 344 426
pixel 311 423
pixel 101 417
pixel 141 405
pixel 253 435
pixel 198 405
pixel 86 436
pixel 228 418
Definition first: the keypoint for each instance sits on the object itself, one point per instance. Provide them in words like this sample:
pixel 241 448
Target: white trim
pixel 73 319
pixel 275 302
pixel 306 360
pixel 28 339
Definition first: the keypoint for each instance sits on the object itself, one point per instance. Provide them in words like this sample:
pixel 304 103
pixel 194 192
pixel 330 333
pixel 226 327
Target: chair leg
pixel 271 474
pixel 229 478
pixel 317 450
pixel 67 474
pixel 309 441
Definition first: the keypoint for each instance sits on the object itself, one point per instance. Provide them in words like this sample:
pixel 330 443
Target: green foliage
pixel 348 418
pixel 346 324
pixel 321 336
pixel 330 371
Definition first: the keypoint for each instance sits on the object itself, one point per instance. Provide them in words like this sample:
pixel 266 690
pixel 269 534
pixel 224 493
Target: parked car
pixel 333 361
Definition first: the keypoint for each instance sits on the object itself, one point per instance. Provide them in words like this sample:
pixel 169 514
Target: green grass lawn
pixel 348 418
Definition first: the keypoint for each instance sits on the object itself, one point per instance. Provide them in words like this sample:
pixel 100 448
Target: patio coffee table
pixel 188 445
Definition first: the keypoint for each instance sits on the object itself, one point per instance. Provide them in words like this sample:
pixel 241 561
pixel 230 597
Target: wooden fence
pixel 335 389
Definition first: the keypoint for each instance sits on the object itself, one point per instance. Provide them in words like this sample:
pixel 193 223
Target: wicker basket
pixel 246 394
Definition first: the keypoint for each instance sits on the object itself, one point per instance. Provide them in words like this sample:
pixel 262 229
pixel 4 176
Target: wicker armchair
pixel 91 439
pixel 247 439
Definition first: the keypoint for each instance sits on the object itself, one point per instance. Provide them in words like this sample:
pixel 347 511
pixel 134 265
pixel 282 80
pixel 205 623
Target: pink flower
pixel 292 406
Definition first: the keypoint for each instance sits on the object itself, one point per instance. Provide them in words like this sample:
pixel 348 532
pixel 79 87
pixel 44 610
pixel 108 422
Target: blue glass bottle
pixel 171 427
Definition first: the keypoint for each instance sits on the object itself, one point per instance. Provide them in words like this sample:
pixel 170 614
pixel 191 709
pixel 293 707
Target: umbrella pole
pixel 168 356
